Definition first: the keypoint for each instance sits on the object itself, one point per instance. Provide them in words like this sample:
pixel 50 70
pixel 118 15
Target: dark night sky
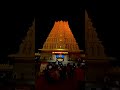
pixel 15 26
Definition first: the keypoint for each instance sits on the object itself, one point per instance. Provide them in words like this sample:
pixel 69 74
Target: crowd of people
pixel 55 73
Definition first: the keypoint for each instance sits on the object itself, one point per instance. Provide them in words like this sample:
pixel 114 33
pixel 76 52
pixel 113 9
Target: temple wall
pixel 45 56
pixel 54 57
pixel 66 58
pixel 6 67
pixel 24 70
pixel 96 70
pixel 95 73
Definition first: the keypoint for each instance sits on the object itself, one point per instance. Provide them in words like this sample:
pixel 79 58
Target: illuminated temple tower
pixel 24 65
pixel 60 44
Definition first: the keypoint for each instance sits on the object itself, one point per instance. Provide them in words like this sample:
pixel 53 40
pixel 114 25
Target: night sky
pixel 15 27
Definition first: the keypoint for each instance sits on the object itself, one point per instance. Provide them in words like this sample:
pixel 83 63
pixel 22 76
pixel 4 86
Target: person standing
pixel 80 77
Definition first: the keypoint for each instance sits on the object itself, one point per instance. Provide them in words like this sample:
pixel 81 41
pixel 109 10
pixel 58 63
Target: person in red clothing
pixel 80 77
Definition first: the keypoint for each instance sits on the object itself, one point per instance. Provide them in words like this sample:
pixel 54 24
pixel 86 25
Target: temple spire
pixel 93 45
pixel 61 37
pixel 27 47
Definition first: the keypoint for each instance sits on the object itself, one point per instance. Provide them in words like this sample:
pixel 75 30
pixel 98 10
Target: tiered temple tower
pixel 97 61
pixel 93 46
pixel 24 66
pixel 60 44
pixel 61 37
pixel 27 47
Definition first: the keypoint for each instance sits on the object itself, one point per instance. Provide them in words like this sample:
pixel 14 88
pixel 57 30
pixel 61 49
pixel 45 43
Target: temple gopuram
pixel 23 60
pixel 60 45
pixel 98 63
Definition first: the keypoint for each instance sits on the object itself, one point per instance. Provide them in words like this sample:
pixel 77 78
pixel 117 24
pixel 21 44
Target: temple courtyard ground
pixel 42 84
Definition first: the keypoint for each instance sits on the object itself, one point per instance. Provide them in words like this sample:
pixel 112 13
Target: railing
pixel 6 66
